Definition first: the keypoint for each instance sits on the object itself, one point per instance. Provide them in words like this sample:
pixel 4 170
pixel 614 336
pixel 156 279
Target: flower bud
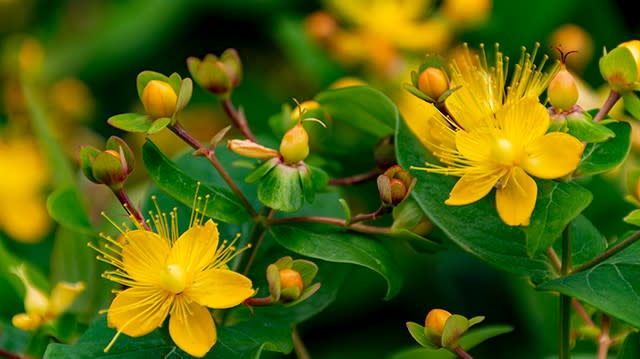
pixel 619 67
pixel 294 146
pixel 394 185
pixel 291 285
pixel 563 91
pixel 634 47
pixel 217 75
pixel 36 303
pixel 110 167
pixel 433 82
pixel 436 318
pixel 159 99
pixel 251 149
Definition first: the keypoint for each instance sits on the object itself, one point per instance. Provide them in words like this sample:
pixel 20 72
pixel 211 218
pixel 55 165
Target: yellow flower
pixel 40 309
pixel 498 138
pixel 176 275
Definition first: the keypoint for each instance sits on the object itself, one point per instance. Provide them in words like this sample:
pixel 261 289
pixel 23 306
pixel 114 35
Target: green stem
pixel 565 301
pixel 298 345
pixel 210 155
pixel 609 252
pixel 614 96
pixel 363 228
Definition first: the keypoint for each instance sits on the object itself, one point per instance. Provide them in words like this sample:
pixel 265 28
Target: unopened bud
pixel 294 146
pixel 251 149
pixel 36 303
pixel 110 167
pixel 217 75
pixel 563 91
pixel 634 47
pixel 434 325
pixel 291 285
pixel 394 185
pixel 159 99
pixel 433 82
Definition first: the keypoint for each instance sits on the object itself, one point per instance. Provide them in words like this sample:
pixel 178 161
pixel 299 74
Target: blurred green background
pixel 105 44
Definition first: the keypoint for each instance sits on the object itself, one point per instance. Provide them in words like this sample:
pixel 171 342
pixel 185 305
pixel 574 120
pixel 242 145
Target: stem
pixel 355 179
pixel 210 155
pixel 582 313
pixel 124 199
pixel 369 216
pixel 609 252
pixel 336 222
pixel 555 260
pixel 604 341
pixel 565 301
pixel 298 345
pixel 257 302
pixel 614 96
pixel 257 236
pixel 461 353
pixel 9 355
pixel 237 118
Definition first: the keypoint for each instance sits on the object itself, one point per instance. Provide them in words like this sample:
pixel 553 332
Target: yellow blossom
pixel 40 309
pixel 498 138
pixel 167 274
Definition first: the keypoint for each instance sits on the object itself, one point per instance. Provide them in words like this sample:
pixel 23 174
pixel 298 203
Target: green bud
pixel 294 146
pixel 619 69
pixel 110 167
pixel 217 75
pixel 394 185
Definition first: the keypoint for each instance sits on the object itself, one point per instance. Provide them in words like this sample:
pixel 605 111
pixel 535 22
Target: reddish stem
pixel 9 355
pixel 336 222
pixel 355 179
pixel 614 96
pixel 124 199
pixel 369 216
pixel 258 302
pixel 604 341
pixel 582 313
pixel 461 353
pixel 237 118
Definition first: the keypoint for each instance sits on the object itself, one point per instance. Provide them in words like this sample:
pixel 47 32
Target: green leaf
pixel 362 107
pixel 582 127
pixel 476 228
pixel 612 286
pixel 144 77
pixel 281 189
pixel 632 104
pixel 175 81
pixel 184 96
pixel 131 122
pixel 222 205
pixel 631 347
pixel 417 332
pixel 158 125
pixel 586 241
pixel 332 245
pixel 633 217
pixel 557 204
pixel 65 207
pixel 605 156
pixel 469 340
pixel 454 327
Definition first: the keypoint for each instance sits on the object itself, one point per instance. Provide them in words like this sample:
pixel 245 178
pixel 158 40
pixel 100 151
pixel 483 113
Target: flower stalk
pixel 237 118
pixel 128 206
pixel 613 97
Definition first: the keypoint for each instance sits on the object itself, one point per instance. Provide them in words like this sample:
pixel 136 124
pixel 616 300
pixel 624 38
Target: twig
pixel 609 252
pixel 369 216
pixel 237 118
pixel 614 96
pixel 298 345
pixel 356 179
pixel 555 260
pixel 604 341
pixel 582 313
pixel 461 353
pixel 336 222
pixel 122 196
pixel 210 155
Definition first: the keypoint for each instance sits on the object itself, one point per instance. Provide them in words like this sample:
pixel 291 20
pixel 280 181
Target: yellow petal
pixel 553 155
pixel 26 322
pixel 476 145
pixel 471 188
pixel 144 255
pixel 192 328
pixel 138 311
pixel 516 198
pixel 220 288
pixel 523 121
pixel 196 248
pixel 63 295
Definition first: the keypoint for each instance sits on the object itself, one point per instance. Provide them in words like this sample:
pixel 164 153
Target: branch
pixel 237 119
pixel 363 228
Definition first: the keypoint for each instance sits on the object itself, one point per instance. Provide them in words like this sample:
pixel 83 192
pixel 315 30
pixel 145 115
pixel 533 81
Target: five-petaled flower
pixel 498 139
pixel 176 275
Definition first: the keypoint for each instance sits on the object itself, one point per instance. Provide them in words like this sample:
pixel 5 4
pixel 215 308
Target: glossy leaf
pixel 476 228
pixel 222 204
pixel 131 122
pixel 582 127
pixel 631 347
pixel 586 241
pixel 612 286
pixel 362 107
pixel 65 207
pixel 605 156
pixel 158 125
pixel 557 204
pixel 332 245
pixel 632 104
pixel 417 332
pixel 469 340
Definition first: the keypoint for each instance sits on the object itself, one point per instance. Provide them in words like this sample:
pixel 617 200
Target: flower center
pixel 174 278
pixel 503 152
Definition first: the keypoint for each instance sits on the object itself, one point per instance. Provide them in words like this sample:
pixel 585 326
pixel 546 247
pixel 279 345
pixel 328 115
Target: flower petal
pixel 553 155
pixel 220 288
pixel 476 145
pixel 471 188
pixel 516 198
pixel 144 255
pixel 192 328
pixel 63 295
pixel 523 121
pixel 196 248
pixel 138 311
